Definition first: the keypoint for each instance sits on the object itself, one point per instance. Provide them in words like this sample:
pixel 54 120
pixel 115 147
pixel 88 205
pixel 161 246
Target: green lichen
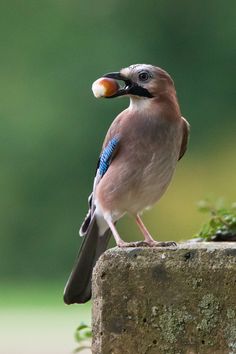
pixel 230 331
pixel 172 323
pixel 230 314
pixel 196 282
pixel 209 308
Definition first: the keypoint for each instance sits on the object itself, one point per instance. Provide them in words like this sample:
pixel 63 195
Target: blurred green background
pixel 52 128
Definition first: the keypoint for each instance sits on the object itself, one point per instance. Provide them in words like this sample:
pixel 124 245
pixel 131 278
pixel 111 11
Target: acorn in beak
pixel 129 88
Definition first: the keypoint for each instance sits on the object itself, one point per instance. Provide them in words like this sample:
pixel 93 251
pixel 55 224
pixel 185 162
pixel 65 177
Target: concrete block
pixel 175 300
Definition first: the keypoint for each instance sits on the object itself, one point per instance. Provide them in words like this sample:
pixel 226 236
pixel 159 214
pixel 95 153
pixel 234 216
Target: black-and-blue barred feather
pixel 105 158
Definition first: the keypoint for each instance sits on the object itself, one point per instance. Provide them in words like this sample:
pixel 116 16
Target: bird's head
pixel 142 81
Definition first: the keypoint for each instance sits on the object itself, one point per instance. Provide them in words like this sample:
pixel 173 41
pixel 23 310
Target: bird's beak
pixel 130 88
pixel 123 90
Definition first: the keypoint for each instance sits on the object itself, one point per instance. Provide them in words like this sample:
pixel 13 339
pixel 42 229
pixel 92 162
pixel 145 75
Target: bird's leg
pixel 147 237
pixel 118 239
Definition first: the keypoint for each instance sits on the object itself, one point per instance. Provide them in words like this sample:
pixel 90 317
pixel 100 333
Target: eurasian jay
pixel 136 164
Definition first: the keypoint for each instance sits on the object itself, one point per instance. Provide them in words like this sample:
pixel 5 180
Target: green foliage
pixel 221 225
pixel 83 333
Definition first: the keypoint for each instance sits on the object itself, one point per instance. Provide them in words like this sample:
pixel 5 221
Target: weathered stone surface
pixel 166 300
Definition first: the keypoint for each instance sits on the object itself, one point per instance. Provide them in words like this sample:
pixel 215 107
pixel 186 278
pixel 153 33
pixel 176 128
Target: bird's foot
pixel 153 243
pixel 147 244
pixel 165 244
pixel 124 244
pixel 133 244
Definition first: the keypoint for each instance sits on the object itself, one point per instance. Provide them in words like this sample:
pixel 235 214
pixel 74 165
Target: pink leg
pixel 118 239
pixel 147 237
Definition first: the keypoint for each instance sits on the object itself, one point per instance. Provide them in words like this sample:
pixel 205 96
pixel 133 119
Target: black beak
pixel 123 90
pixel 130 87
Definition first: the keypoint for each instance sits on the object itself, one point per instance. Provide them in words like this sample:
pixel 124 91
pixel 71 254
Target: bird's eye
pixel 143 76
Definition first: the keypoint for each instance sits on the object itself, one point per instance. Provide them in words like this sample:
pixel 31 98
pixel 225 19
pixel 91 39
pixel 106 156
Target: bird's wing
pixel 184 144
pixel 110 148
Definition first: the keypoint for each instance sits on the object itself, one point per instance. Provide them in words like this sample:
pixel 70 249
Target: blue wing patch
pixel 106 155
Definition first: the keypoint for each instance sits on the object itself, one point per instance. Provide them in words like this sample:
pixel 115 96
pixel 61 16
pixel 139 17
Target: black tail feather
pixel 78 287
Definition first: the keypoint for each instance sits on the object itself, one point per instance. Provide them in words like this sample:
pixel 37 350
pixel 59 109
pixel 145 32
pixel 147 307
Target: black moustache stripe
pixel 139 91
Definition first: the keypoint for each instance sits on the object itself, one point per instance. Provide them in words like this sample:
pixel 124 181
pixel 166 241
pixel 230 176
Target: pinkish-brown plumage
pixel 135 169
pixel 144 163
pixel 153 137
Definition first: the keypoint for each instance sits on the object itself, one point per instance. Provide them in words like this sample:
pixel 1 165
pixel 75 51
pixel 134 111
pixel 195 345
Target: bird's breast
pixel 143 167
pixel 151 142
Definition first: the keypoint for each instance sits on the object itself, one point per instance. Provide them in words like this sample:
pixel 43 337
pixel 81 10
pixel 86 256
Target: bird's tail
pixel 78 287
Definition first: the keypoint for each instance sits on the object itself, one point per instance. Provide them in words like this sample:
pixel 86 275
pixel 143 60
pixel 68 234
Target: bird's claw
pixel 165 244
pixel 160 244
pixel 133 244
pixel 125 244
pixel 147 244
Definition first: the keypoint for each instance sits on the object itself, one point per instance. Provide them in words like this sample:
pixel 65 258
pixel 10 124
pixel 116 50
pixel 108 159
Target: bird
pixel 136 164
